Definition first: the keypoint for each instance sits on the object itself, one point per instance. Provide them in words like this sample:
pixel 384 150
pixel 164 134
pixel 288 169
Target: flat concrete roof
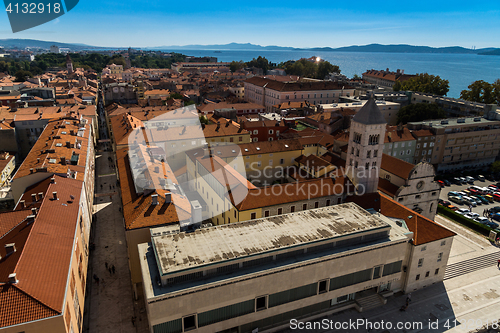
pixel 214 245
pixel 453 122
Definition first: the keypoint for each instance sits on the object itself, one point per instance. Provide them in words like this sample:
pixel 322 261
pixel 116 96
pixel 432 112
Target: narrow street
pixel 109 303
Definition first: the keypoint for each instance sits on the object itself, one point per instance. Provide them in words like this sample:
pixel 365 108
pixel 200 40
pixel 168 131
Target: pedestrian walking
pixel 113 269
pixel 498 263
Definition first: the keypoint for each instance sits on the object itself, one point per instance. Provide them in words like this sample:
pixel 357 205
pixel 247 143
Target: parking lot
pixel 479 208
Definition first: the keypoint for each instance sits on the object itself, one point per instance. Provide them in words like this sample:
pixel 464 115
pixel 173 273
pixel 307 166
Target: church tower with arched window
pixel 366 145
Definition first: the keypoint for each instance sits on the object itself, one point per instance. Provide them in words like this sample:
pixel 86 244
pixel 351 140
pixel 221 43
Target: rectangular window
pixel 427 274
pixel 417 277
pixel 436 271
pixel 280 211
pixel 261 303
pixel 316 204
pixel 375 153
pixel 328 202
pixel 376 272
pixel 266 213
pixel 392 268
pixel 443 243
pixel 304 207
pixel 282 161
pixel 189 323
pixel 423 248
pixel 440 256
pixel 253 216
pixel 420 262
pixel 322 287
pixel 292 209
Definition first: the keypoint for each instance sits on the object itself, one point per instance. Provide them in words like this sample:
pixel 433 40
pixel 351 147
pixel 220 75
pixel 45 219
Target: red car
pixel 441 183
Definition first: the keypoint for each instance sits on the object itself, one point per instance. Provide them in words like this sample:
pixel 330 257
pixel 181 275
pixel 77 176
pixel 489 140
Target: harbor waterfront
pixel 459 69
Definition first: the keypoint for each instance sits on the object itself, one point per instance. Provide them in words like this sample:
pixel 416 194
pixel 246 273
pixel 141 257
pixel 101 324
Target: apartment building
pixel 385 78
pixel 462 143
pixel 44 249
pixel 453 107
pixel 241 108
pixel 389 109
pixel 259 274
pixel 264 130
pixel 269 92
pixel 65 148
pixel 400 143
pixel 425 142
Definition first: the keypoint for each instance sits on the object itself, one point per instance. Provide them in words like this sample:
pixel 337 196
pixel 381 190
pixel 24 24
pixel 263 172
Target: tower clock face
pixel 420 184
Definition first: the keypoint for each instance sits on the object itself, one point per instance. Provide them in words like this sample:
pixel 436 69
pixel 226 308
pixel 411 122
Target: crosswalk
pixel 471 265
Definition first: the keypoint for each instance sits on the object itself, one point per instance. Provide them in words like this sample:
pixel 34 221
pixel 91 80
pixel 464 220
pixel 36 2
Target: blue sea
pixel 459 69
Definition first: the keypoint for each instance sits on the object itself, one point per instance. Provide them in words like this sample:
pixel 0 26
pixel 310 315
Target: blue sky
pixel 285 23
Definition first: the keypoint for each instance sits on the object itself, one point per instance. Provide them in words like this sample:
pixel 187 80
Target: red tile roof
pixel 424 230
pixel 296 86
pixel 396 166
pixel 41 262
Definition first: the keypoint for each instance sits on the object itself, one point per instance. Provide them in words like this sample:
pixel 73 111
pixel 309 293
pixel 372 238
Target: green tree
pixel 356 77
pixel 22 76
pixel 420 112
pixel 397 86
pixel 426 83
pixel 236 65
pixel 204 120
pixel 482 92
pixel 495 167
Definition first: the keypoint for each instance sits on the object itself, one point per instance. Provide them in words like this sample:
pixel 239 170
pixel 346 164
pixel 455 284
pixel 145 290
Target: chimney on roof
pixel 12 278
pixel 53 180
pixel 31 170
pixel 54 195
pixel 31 219
pixel 34 211
pixel 33 197
pixel 22 203
pixel 157 169
pixel 68 144
pixel 40 195
pixel 154 199
pixel 227 123
pixel 218 126
pixel 10 248
pixel 168 197
pixel 63 160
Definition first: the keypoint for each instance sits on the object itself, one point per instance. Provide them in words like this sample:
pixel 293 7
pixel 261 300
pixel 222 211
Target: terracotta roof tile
pixel 19 307
pixel 424 230
pixel 55 143
pixel 396 166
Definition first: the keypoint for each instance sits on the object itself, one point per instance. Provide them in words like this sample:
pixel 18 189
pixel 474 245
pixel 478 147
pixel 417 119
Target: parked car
pixel 496 197
pixel 441 183
pixel 463 180
pixel 462 211
pixel 492 224
pixel 471 215
pixel 446 182
pixel 482 220
pixel 495 209
pixel 483 199
pixel 462 194
pixel 469 201
pixel 476 199
pixel 452 207
pixel 457 181
pixel 457 200
pixel 489 198
pixel 495 216
pixel 453 194
pixel 470 180
pixel 467 192
pixel 481 178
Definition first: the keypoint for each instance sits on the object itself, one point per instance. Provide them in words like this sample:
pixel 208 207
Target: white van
pixel 469 201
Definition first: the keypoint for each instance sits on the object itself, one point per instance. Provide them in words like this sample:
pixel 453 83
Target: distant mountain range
pixel 34 43
pixel 395 48
pixel 399 48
